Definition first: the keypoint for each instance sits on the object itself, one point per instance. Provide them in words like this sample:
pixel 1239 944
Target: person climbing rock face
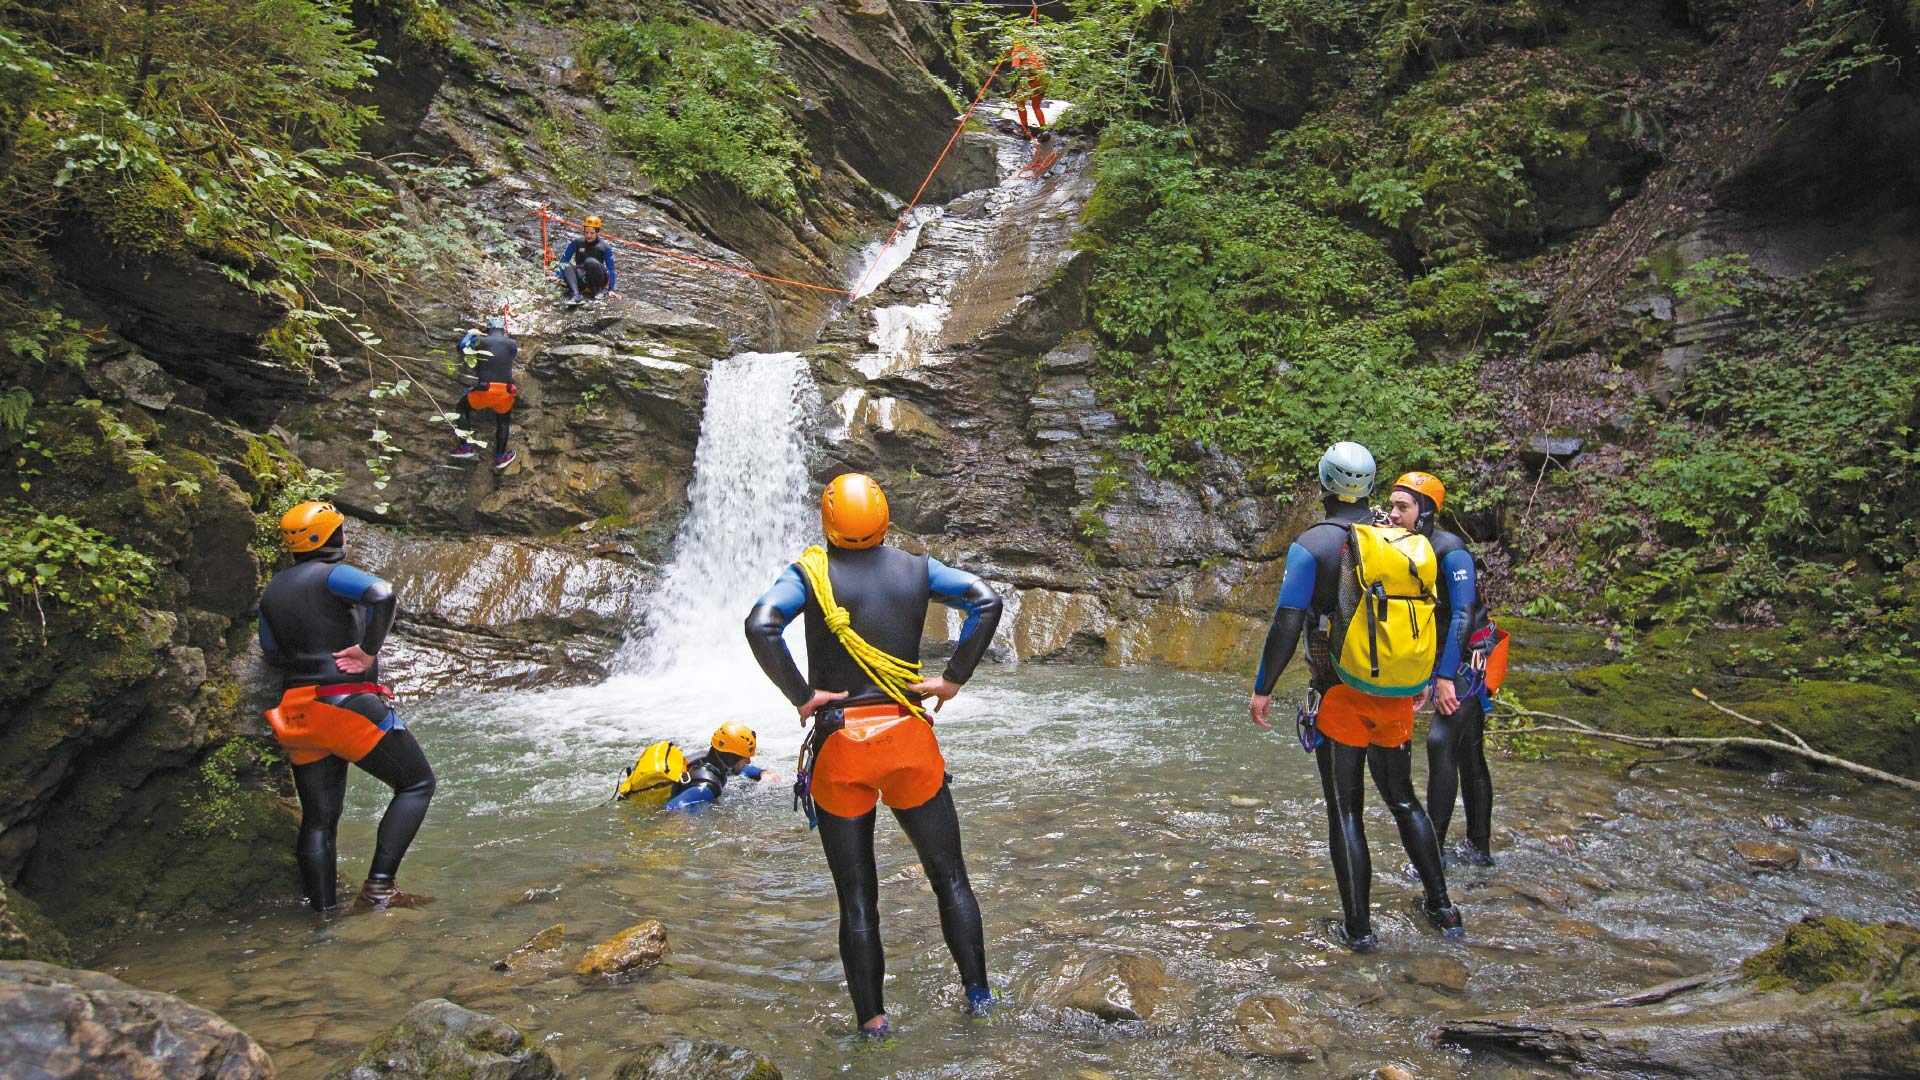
pixel 586 266
pixel 865 605
pixel 492 390
pixel 729 754
pixel 322 623
pixel 1356 730
pixel 1456 741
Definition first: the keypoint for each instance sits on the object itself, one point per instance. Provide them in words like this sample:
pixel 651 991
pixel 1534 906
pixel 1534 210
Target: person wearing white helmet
pixel 1354 732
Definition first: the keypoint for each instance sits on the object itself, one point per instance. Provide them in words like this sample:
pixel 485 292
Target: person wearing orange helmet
pixel 586 266
pixel 728 755
pixel 322 623
pixel 1456 741
pixel 865 605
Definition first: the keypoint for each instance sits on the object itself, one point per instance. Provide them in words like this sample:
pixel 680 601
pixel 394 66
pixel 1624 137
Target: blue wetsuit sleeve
pixel 751 772
pixel 694 798
pixel 965 592
pixel 356 586
pixel 612 278
pixel 349 583
pixel 268 647
pixel 1289 617
pixel 565 258
pixel 765 624
pixel 1462 591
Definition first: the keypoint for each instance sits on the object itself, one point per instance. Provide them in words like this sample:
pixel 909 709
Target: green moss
pixel 146 209
pixel 1822 950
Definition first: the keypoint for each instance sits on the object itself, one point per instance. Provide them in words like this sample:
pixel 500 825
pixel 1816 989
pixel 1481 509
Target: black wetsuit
pixel 707 777
pixel 587 268
pixel 494 358
pixel 1310 592
pixel 1456 742
pixel 885 592
pixel 311 610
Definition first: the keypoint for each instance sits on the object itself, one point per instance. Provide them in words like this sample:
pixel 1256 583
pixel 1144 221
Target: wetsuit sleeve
pixel 1461 590
pixel 612 278
pixel 356 586
pixel 770 615
pixel 965 592
pixel 751 772
pixel 1289 618
pixel 693 798
pixel 566 257
pixel 268 647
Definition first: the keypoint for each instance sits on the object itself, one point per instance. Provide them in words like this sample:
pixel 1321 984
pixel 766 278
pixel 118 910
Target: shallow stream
pixel 1104 811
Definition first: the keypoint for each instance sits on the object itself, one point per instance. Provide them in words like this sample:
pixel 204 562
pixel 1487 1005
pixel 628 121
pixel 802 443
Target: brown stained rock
pixel 697 1059
pixel 1272 1026
pixel 438 1040
pixel 1437 972
pixel 1392 1072
pixel 62 1024
pixel 637 948
pixel 1761 856
pixel 537 952
pixel 1112 986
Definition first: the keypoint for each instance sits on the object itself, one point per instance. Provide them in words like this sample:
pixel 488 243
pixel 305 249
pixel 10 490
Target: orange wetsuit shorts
pixel 884 752
pixel 309 729
pixel 1352 718
pixel 497 397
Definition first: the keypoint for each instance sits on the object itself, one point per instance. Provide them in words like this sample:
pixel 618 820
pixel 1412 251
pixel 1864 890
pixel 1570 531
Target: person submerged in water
pixel 864 605
pixel 1456 740
pixel 729 755
pixel 1358 732
pixel 322 623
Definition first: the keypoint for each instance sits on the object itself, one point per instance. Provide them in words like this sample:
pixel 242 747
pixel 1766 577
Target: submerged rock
pixel 1273 1026
pixel 438 1040
pixel 1112 986
pixel 1761 856
pixel 1437 972
pixel 58 1023
pixel 637 948
pixel 690 1059
pixel 537 952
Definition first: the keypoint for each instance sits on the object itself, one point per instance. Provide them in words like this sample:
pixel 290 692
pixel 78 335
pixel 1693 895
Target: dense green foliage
pixel 53 560
pixel 694 101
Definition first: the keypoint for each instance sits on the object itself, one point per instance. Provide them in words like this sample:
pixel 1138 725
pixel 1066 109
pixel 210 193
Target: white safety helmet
pixel 1347 471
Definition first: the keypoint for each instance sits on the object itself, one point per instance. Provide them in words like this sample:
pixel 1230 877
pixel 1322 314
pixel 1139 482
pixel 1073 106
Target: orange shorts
pixel 309 730
pixel 1352 718
pixel 883 753
pixel 497 397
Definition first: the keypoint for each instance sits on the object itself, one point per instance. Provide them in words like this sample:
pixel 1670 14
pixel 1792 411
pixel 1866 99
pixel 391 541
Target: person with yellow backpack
pixel 662 773
pixel 865 605
pixel 1363 596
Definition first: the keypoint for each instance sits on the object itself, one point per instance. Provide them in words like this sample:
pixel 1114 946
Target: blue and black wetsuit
pixel 493 356
pixel 311 610
pixel 586 267
pixel 707 777
pixel 1456 742
pixel 886 592
pixel 1311 591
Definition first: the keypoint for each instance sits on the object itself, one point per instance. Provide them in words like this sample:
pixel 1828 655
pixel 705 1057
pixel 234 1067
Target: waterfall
pixel 749 515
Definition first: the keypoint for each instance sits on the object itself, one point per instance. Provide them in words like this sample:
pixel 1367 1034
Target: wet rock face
pixel 438 1040
pixel 61 1024
pixel 686 1059
pixel 636 949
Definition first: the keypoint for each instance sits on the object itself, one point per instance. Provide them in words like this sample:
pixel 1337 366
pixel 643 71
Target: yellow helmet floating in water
pixel 735 738
pixel 652 777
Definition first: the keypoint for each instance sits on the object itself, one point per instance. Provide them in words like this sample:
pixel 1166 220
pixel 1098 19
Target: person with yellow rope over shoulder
pixel 864 605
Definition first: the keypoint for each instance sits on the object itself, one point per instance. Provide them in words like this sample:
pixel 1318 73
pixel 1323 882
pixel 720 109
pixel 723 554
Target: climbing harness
pixel 825 722
pixel 1306 720
pixel 1486 666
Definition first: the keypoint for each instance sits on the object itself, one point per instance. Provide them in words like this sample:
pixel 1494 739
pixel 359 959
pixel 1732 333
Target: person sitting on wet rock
pixel 730 755
pixel 586 266
pixel 322 623
pixel 1355 730
pixel 493 390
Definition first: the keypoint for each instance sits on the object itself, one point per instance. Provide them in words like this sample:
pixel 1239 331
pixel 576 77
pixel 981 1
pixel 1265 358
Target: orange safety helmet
pixel 853 511
pixel 308 526
pixel 592 222
pixel 1424 484
pixel 735 738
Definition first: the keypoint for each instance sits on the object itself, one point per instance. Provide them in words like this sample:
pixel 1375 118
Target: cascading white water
pixel 748 517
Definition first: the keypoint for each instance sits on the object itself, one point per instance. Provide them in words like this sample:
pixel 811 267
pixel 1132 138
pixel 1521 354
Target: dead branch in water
pixel 1567 725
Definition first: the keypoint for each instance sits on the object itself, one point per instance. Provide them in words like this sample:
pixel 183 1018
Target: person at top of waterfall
pixel 492 390
pixel 586 266
pixel 1030 88
pixel 1358 731
pixel 730 754
pixel 322 623
pixel 865 604
pixel 1456 741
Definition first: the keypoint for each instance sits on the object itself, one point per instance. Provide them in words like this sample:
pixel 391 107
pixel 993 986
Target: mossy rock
pixel 1822 950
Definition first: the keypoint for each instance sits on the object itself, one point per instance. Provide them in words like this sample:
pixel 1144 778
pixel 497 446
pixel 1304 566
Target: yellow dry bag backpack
pixel 652 777
pixel 1384 641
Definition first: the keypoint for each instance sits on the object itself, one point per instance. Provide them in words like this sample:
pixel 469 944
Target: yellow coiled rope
pixel 888 672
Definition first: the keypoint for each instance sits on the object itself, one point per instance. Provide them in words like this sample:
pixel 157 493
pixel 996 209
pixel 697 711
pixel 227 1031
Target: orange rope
pixel 951 139
pixel 546 247
pixel 664 253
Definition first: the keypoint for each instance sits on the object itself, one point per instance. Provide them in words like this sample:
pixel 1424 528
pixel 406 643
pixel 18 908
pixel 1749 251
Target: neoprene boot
pixel 1445 919
pixel 379 893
